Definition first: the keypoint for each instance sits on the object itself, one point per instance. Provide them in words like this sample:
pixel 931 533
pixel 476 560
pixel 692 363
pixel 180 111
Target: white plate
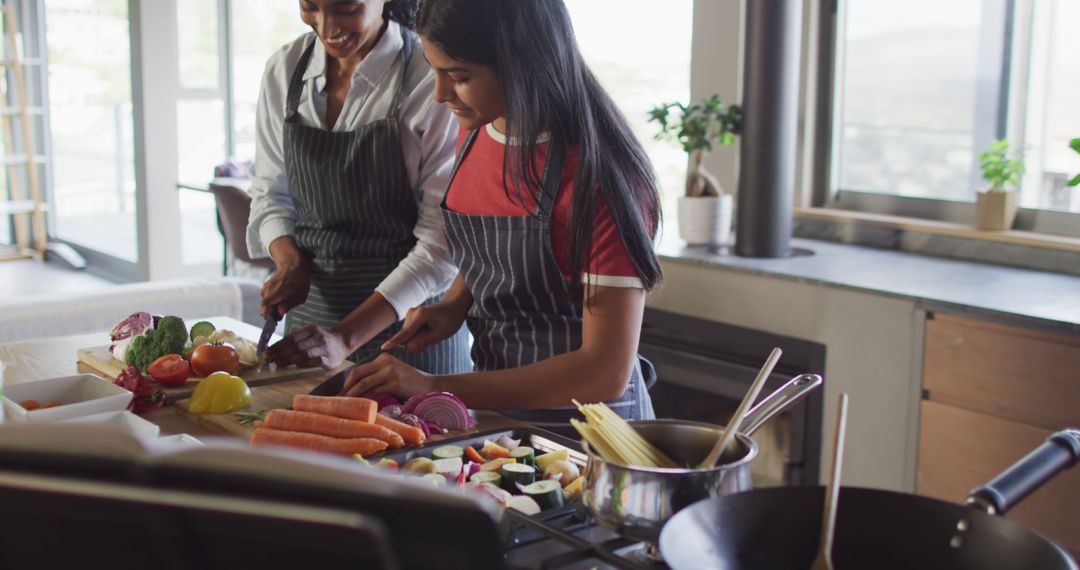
pixel 80 395
pixel 182 439
pixel 122 419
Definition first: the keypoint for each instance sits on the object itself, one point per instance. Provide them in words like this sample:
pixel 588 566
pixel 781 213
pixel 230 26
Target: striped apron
pixel 355 214
pixel 523 311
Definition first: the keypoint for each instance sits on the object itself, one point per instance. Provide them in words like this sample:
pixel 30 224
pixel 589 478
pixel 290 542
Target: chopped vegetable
pixel 321 424
pixel 573 490
pixel 145 396
pixel 447 451
pixel 383 399
pixel 442 408
pixel 201 328
pixel 169 337
pixel 388 463
pixel 514 474
pixel 492 492
pixel 30 405
pixel 565 471
pixel 524 504
pixel 493 450
pixel 310 441
pixel 169 370
pixel 414 421
pixel 449 468
pixel 547 494
pixel 486 477
pixel 360 459
pixel 220 393
pixel 496 464
pixel 547 459
pixel 412 435
pixel 246 350
pixel 338 406
pixel 124 332
pixel 524 454
pixel 419 465
pixel 244 418
pixel 434 478
pixel 392 412
pixel 473 455
pixel 508 442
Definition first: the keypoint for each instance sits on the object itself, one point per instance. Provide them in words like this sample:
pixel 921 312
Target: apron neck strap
pixel 292 100
pixel 406 57
pixel 465 146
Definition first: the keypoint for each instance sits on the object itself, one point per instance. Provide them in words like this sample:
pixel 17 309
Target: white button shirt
pixel 428 141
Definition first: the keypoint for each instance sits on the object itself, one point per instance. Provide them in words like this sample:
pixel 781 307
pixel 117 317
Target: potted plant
pixel 705 212
pixel 995 207
pixel 1075 145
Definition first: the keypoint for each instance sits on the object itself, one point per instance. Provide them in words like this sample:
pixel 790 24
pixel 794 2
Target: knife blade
pixel 267 331
pixel 332 386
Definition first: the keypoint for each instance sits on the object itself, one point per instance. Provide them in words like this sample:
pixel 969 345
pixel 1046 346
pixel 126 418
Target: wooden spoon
pixel 832 491
pixel 733 424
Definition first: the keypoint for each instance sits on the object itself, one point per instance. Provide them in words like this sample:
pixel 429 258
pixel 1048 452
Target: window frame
pixel 1012 116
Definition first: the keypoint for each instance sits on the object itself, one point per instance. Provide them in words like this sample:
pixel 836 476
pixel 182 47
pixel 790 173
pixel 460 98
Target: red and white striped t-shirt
pixel 478 190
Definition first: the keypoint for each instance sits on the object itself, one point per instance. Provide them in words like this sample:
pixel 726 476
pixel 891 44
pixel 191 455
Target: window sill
pixel 1011 237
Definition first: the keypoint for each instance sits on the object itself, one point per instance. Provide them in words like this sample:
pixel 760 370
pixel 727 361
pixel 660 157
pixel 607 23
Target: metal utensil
pixel 737 419
pixel 824 559
pixel 267 331
pixel 637 501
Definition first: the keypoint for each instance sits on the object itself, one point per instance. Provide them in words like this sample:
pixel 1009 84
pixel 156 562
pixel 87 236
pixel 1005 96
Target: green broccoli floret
pixel 169 337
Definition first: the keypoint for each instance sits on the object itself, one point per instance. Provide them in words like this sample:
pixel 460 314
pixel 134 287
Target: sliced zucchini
pixel 434 478
pixel 515 473
pixel 524 454
pixel 486 477
pixel 548 458
pixel 447 452
pixel 547 493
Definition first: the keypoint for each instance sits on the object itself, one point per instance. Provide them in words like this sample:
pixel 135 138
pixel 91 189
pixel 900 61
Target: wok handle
pixel 1058 453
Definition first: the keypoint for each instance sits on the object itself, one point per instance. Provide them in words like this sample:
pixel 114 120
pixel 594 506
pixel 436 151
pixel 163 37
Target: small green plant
pixel 697 128
pixel 1075 145
pixel 998 169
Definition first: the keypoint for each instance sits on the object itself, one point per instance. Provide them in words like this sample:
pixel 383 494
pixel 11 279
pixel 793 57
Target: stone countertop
pixel 1018 296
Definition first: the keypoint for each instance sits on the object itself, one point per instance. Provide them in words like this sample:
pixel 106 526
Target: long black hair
pixel 401 11
pixel 549 88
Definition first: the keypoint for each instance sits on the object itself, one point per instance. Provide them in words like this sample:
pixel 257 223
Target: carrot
pixel 30 405
pixel 412 435
pixel 338 406
pixel 310 422
pixel 313 442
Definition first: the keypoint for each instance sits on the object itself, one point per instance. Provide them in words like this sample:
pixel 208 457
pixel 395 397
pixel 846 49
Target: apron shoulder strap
pixel 296 83
pixel 549 181
pixel 465 145
pixel 406 57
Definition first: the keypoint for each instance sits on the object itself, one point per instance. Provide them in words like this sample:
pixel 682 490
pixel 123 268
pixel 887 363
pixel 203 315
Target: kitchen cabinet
pixel 991 394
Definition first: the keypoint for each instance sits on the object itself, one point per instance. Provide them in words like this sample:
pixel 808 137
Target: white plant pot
pixel 705 220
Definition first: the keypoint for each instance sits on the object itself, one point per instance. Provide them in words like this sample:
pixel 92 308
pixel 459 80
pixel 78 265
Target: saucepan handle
pixel 778 401
pixel 1058 453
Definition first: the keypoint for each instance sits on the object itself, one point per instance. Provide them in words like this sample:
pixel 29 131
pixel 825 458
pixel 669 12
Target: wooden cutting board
pixel 266 397
pixel 100 360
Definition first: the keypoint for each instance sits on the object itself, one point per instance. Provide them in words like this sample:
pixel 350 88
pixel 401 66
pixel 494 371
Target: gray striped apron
pixel 523 311
pixel 355 214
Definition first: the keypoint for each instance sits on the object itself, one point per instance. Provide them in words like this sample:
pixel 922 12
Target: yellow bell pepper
pixel 219 393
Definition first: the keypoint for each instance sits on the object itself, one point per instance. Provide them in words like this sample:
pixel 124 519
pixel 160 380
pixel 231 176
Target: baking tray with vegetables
pixel 525 468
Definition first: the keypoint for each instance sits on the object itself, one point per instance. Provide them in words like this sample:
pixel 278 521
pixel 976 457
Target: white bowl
pixel 122 419
pixel 80 395
pixel 181 439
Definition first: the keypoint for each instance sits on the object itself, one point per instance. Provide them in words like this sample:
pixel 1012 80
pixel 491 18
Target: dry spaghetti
pixel 615 440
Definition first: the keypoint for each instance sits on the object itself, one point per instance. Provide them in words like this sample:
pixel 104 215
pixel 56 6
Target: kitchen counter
pixel 1018 296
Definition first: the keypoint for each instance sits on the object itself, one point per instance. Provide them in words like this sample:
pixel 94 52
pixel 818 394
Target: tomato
pixel 169 370
pixel 209 358
pixel 52 404
pixel 30 405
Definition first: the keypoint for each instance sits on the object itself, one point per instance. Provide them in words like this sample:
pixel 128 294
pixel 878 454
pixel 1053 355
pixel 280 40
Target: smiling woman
pixel 352 155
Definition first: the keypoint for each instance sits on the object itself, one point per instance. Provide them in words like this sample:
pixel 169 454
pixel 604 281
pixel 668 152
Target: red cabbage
pixel 442 408
pixel 131 325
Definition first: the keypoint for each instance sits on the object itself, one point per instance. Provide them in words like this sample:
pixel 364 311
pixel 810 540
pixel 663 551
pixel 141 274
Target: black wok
pixel 780 528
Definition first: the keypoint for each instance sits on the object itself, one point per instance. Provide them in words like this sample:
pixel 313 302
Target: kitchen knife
pixel 267 332
pixel 332 386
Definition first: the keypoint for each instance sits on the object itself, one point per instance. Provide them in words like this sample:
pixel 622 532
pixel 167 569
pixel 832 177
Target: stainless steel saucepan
pixel 637 501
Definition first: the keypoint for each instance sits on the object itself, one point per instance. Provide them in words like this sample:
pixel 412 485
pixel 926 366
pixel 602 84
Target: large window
pixel 90 113
pixel 923 86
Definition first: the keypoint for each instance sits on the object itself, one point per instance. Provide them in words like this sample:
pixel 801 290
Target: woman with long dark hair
pixel 352 158
pixel 550 218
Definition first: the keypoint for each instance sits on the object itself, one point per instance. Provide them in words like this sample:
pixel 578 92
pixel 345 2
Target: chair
pixel 233 209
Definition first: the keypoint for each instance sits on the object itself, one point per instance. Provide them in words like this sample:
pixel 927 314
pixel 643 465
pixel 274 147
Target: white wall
pixel 873 349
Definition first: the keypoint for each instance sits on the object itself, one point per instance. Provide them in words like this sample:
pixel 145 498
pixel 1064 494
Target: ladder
pixel 21 192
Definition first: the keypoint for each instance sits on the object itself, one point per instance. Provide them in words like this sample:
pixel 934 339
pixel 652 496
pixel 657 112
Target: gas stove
pixel 570 539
